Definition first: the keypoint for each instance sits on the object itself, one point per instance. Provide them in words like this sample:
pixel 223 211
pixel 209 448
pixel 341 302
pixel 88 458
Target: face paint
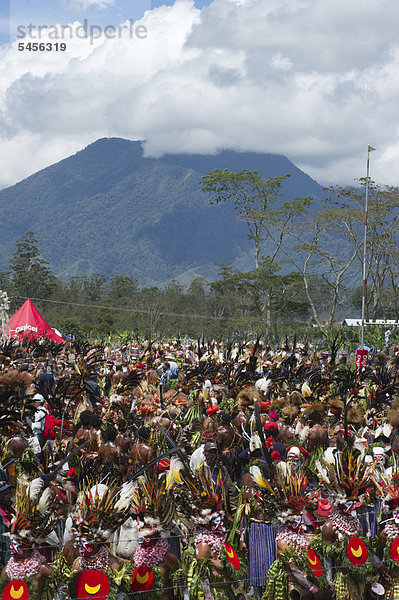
pixel 396 517
pixel 147 540
pixel 297 523
pixel 349 508
pixel 293 456
pixel 85 547
pixel 216 521
pixel 17 549
pixel 216 524
pixel 379 458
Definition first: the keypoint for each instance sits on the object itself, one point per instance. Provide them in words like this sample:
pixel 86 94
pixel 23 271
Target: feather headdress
pixel 290 412
pixel 152 501
pixel 100 511
pixel 282 496
pixel 198 497
pixel 34 517
pixel 344 473
pixel 387 486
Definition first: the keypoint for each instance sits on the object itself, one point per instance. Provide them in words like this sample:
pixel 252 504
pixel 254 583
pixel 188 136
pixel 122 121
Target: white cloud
pixel 314 80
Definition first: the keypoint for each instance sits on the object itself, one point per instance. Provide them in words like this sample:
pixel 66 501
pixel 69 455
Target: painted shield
pixel 142 579
pixel 92 584
pixel 16 589
pixel 315 563
pixel 356 551
pixel 232 556
pixel 394 551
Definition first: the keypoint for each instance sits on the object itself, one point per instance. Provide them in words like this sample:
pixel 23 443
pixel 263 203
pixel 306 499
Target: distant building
pixel 358 322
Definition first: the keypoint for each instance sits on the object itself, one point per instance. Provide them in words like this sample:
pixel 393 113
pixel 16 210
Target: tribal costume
pixel 100 511
pixel 32 532
pixel 210 565
pixel 348 557
pixel 153 561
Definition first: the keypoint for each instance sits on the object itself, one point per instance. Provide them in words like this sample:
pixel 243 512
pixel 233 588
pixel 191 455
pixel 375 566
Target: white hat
pixel 378 450
pixel 38 398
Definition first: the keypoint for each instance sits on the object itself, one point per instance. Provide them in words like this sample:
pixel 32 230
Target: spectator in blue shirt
pixel 168 370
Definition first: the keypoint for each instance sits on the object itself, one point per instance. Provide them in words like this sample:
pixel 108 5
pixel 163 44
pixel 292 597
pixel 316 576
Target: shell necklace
pixel 392 530
pixel 214 539
pixel 292 538
pixel 152 555
pixel 22 569
pixel 344 525
pixel 100 561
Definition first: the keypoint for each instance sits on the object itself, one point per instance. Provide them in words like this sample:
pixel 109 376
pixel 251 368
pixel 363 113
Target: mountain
pixel 109 209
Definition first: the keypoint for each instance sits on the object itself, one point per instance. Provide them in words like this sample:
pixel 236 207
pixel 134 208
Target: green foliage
pixel 273 300
pixel 30 273
pixel 265 297
pixel 94 286
pixel 70 325
pixel 254 199
pixel 277 582
pixel 121 287
pixel 238 304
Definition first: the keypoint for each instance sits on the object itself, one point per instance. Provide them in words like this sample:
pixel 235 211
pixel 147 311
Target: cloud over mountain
pixel 312 80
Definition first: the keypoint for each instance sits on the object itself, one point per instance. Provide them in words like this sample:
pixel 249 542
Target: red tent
pixel 28 322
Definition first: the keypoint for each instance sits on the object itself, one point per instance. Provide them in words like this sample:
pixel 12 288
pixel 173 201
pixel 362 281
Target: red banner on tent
pixel 28 322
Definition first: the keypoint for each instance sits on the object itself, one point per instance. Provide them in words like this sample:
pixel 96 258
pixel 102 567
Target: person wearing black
pixel 6 495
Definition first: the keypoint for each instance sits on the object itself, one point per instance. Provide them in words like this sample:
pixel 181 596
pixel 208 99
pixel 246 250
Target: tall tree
pixel 343 216
pixel 311 247
pixel 30 273
pixel 253 199
pixel 382 256
pixel 258 202
pixel 122 288
pixel 94 286
pixel 264 296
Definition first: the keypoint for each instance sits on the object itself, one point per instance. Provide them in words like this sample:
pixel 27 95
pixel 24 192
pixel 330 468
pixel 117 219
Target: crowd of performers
pixel 198 471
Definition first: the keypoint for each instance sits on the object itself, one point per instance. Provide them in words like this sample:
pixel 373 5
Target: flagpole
pixel 369 149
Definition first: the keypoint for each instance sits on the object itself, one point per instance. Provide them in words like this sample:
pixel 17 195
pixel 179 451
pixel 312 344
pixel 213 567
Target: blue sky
pixel 49 12
pixel 4 21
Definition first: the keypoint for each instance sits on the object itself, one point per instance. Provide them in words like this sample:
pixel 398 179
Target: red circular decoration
pixel 92 584
pixel 232 556
pixel 394 550
pixel 16 589
pixel 142 579
pixel 356 551
pixel 315 563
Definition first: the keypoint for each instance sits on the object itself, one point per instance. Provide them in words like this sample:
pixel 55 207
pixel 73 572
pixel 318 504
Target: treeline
pixel 235 305
pixel 310 276
pixel 323 237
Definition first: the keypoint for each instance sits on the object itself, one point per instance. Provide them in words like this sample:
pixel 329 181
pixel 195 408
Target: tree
pixel 253 199
pixel 264 296
pixel 4 280
pixel 310 250
pixel 342 218
pixel 121 288
pixel 30 273
pixel 149 317
pixel 70 325
pixel 382 256
pixel 259 203
pixel 328 243
pixel 94 286
pixel 196 288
